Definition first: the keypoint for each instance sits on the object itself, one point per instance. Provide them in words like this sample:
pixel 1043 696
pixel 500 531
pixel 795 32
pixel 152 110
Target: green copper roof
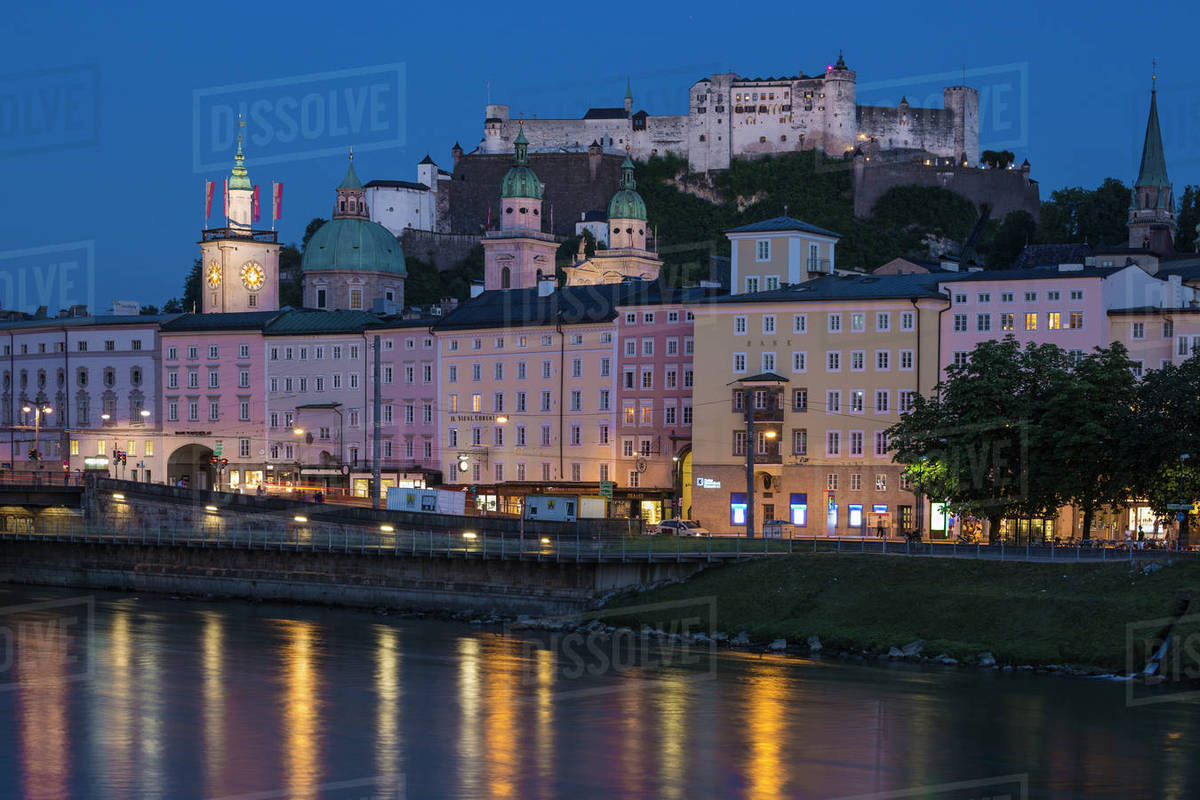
pixel 351 180
pixel 238 179
pixel 1153 171
pixel 521 181
pixel 355 244
pixel 628 90
pixel 627 203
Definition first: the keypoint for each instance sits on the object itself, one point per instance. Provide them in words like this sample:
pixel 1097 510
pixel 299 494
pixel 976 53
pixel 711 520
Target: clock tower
pixel 239 268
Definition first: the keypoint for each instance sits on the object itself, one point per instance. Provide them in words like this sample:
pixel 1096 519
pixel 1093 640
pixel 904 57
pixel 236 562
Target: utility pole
pixel 746 398
pixel 376 477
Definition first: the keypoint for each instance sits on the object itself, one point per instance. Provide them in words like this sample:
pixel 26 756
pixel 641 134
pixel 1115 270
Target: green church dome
pixel 521 181
pixel 627 203
pixel 357 244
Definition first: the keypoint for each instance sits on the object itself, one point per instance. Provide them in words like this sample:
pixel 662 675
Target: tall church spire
pixel 1152 222
pixel 1153 170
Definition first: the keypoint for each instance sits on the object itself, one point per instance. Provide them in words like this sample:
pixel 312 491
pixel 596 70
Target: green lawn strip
pixel 1022 613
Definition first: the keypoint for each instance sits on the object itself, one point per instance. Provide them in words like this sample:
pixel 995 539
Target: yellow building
pixel 828 366
pixel 778 252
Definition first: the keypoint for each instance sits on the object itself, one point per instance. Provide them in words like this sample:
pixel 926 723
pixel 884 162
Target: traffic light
pixel 213 461
pixel 33 455
pixel 224 463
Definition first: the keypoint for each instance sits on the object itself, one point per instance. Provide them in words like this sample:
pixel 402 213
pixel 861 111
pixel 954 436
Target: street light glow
pixel 298 431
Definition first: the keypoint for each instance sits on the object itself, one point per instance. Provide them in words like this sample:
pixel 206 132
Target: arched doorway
pixel 191 461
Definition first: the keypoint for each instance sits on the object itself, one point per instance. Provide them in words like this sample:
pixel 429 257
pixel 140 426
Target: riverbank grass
pixel 1022 613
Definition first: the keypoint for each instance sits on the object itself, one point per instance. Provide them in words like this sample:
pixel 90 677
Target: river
pixel 120 696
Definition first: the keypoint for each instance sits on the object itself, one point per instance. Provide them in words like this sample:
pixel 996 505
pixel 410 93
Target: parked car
pixel 680 527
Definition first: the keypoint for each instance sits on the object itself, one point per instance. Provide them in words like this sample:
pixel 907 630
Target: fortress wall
pixel 1004 190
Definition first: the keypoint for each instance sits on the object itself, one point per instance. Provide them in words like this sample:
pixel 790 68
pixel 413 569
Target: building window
pixel 1139 330
pixel 1031 320
pixel 762 250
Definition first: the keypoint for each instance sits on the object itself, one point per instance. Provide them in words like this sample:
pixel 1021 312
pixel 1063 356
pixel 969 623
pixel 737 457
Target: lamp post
pixel 38 411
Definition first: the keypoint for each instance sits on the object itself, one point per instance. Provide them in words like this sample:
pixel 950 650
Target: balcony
pixel 819 265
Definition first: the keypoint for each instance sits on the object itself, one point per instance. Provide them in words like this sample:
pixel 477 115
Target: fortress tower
pixel 841 117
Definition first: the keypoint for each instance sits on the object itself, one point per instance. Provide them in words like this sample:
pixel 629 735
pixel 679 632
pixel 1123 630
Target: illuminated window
pixel 1053 321
pixel 1031 319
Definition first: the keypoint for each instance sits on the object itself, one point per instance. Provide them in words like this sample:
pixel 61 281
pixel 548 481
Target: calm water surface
pixel 179 699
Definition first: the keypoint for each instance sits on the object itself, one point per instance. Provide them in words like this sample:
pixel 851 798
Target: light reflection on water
pixel 232 701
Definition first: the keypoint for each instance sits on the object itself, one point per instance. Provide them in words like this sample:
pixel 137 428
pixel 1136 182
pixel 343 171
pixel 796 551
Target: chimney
pixel 476 288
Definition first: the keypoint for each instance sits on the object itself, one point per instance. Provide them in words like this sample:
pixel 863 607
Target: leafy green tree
pixel 191 287
pixel 1009 238
pixel 1167 429
pixel 291 290
pixel 1189 217
pixel 1091 418
pixel 1096 216
pixel 973 443
pixel 997 159
pixel 313 226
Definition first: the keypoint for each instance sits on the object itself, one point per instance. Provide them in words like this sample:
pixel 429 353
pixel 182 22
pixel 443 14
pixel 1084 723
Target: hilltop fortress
pixel 729 115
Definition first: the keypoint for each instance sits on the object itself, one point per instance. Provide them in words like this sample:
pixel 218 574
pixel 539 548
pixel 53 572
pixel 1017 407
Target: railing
pixel 230 232
pixel 50 477
pixel 818 265
pixel 566 545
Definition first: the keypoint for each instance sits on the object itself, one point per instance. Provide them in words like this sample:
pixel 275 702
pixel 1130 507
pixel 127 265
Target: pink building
pixel 654 334
pixel 214 398
pixel 1068 306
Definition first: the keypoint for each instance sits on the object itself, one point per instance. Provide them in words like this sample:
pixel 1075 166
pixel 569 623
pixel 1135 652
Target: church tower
pixel 239 266
pixel 1152 223
pixel 515 256
pixel 627 255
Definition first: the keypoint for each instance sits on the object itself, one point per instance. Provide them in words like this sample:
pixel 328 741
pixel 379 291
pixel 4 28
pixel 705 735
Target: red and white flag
pixel 227 198
pixel 208 191
pixel 254 207
pixel 277 200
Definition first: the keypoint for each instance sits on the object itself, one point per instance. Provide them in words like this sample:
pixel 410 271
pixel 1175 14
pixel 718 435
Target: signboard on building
pixel 708 483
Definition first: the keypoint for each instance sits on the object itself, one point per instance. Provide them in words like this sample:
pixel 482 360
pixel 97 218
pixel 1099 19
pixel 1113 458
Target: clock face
pixel 214 274
pixel 253 275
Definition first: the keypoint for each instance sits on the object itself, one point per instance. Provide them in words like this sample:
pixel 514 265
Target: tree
pixel 191 288
pixel 149 310
pixel 1008 240
pixel 291 289
pixel 172 306
pixel 971 443
pixel 1168 427
pixel 1186 240
pixel 1092 420
pixel 997 159
pixel 313 226
pixel 1096 216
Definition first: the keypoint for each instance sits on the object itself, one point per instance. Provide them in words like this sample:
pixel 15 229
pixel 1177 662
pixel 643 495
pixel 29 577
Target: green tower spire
pixel 351 180
pixel 627 203
pixel 238 178
pixel 1153 170
pixel 520 181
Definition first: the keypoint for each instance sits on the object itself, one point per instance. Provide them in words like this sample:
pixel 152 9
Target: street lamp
pixel 38 412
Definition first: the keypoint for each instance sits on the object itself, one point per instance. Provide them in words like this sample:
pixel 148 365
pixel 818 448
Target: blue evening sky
pixel 107 111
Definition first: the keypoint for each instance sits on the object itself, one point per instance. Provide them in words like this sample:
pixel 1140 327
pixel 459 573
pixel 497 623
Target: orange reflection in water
pixel 501 709
pixel 212 648
pixel 117 701
pixel 671 702
pixel 41 643
pixel 544 666
pixel 768 696
pixel 470 743
pixel 301 716
pixel 388 767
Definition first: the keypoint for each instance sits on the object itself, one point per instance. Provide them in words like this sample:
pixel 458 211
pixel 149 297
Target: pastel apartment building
pixel 99 376
pixel 777 252
pixel 829 365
